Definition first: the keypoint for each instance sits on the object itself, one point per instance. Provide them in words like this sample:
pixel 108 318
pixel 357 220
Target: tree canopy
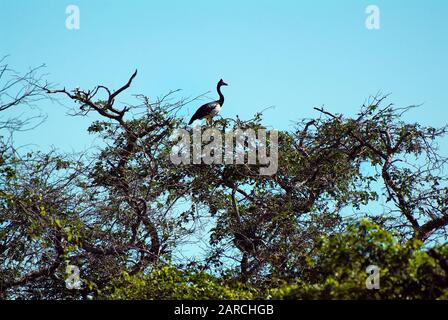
pixel 309 231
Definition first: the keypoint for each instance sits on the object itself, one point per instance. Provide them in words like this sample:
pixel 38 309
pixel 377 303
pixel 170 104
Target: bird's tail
pixel 191 120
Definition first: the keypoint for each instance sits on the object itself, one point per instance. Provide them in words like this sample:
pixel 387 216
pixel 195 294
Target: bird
pixel 211 109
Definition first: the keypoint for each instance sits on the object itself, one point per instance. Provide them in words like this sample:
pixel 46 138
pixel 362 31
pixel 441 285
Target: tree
pixel 122 211
pixel 20 89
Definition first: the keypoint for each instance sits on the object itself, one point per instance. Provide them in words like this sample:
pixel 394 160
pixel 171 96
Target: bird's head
pixel 222 83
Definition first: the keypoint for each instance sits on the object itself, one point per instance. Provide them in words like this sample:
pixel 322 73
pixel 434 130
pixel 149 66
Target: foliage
pixel 169 283
pixel 338 270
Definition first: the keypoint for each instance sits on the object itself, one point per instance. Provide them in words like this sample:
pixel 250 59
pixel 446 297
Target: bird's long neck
pixel 221 96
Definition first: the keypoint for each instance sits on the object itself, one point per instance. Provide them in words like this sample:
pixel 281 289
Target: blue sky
pixel 293 55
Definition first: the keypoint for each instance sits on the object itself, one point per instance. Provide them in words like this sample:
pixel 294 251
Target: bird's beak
pixel 224 84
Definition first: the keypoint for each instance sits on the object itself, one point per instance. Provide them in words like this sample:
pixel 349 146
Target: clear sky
pixel 293 55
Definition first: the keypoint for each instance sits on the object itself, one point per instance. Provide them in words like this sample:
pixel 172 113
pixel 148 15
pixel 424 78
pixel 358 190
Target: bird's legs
pixel 209 121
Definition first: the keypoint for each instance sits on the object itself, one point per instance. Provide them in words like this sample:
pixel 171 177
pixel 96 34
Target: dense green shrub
pixel 338 271
pixel 169 283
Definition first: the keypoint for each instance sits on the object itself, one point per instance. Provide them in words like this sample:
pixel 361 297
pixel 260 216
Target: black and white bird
pixel 211 109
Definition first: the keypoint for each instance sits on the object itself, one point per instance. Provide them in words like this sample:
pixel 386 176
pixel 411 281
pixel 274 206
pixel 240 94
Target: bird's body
pixel 207 111
pixel 211 109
